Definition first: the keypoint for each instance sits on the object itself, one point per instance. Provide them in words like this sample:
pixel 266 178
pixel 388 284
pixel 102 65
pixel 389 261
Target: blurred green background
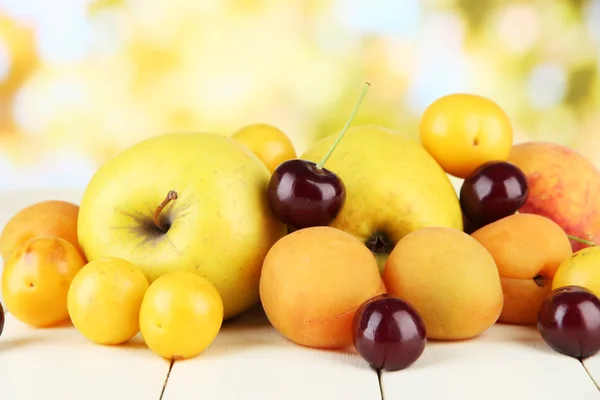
pixel 81 80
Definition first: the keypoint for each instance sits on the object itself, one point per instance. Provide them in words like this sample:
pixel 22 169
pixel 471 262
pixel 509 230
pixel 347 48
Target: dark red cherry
pixel 301 195
pixel 1 319
pixel 468 226
pixel 493 191
pixel 569 321
pixel 388 333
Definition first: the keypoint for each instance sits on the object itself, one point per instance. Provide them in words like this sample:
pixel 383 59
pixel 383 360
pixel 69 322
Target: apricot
pixel 313 281
pixel 563 186
pixel 55 218
pixel 449 278
pixel 527 249
pixel 36 280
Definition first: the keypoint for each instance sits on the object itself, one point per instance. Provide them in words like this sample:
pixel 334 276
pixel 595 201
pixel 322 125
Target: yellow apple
pixel 184 202
pixel 393 187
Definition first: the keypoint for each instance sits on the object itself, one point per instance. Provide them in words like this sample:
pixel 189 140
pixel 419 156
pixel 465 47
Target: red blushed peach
pixel 563 186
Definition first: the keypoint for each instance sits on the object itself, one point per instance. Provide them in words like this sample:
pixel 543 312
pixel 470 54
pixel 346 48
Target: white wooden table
pixel 250 360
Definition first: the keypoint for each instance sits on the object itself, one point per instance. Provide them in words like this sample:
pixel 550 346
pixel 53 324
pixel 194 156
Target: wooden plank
pixel 59 363
pixel 506 362
pixel 592 365
pixel 250 360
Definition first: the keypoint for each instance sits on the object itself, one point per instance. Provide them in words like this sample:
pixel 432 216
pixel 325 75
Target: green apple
pixel 193 202
pixel 393 187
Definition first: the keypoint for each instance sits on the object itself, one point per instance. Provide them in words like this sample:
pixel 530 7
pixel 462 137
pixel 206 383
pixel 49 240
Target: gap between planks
pixel 162 392
pixel 381 395
pixel 597 383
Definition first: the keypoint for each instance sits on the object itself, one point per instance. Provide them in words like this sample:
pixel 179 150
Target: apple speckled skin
pixel 219 226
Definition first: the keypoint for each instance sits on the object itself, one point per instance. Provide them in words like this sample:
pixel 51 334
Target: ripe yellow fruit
pixel 104 300
pixel 462 131
pixel 581 269
pixel 270 144
pixel 181 315
pixel 217 223
pixel 36 279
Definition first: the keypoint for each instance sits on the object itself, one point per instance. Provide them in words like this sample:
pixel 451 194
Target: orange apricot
pixel 527 249
pixel 54 218
pixel 313 281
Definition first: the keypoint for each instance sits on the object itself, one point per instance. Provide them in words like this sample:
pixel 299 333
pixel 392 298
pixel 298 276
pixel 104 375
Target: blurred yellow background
pixel 81 80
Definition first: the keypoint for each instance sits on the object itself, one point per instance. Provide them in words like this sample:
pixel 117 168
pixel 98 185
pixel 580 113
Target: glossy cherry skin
pixel 1 319
pixel 301 195
pixel 569 321
pixel 493 191
pixel 388 333
pixel 468 226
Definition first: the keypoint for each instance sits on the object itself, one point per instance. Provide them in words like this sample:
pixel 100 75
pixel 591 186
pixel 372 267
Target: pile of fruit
pixel 362 241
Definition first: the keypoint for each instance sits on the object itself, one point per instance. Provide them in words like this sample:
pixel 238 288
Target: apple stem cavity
pixel 580 240
pixel 172 195
pixel 321 164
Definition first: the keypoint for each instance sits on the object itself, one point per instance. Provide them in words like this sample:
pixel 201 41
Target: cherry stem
pixel 580 240
pixel 172 195
pixel 345 128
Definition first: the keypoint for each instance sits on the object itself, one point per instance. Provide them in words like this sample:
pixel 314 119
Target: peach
pixel 313 281
pixel 563 186
pixel 527 249
pixel 449 278
pixel 54 218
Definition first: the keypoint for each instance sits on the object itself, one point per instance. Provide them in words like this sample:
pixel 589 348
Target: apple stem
pixel 321 164
pixel 580 240
pixel 172 195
